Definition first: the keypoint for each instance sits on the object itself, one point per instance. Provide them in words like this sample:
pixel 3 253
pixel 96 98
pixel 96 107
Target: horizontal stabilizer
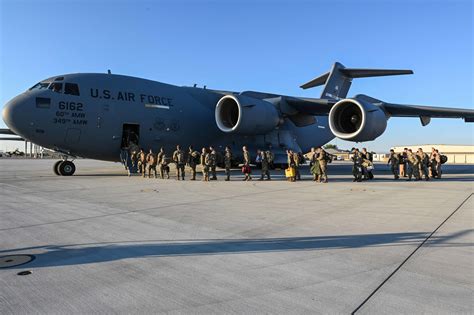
pixel 365 73
pixel 338 81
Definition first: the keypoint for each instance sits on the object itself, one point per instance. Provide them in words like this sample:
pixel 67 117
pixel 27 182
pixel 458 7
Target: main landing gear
pixel 64 168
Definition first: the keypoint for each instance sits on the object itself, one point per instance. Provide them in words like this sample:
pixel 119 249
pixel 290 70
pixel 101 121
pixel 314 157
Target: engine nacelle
pixel 357 120
pixel 246 115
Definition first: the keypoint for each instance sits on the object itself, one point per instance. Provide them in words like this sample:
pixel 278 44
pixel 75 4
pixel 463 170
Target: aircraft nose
pixel 12 114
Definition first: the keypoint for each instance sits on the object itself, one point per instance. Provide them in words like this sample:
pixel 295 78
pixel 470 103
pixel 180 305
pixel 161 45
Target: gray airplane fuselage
pixel 91 124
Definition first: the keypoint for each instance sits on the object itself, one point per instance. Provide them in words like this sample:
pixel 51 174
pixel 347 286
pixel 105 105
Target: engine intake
pixel 357 120
pixel 246 115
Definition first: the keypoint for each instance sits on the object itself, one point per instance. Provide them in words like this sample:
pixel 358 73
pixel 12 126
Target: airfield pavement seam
pixel 409 256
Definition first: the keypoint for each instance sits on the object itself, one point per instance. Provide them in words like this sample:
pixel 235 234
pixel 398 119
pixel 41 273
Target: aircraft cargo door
pixel 130 135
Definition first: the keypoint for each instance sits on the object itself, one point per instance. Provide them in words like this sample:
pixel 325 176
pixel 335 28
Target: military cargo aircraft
pixel 96 116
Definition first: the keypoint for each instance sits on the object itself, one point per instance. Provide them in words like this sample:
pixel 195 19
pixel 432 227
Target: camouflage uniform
pixel 193 160
pixel 142 159
pixel 413 169
pixel 205 168
pixel 178 158
pixel 213 165
pixel 151 162
pixel 291 164
pixel 438 165
pixel 163 165
pixel 423 165
pixel 247 161
pixel 357 167
pixel 265 166
pixel 322 156
pixel 296 158
pixel 394 164
pixel 227 163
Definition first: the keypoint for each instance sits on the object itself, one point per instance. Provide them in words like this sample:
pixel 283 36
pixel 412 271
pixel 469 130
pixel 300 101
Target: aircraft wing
pixel 311 106
pixel 424 112
pixel 322 106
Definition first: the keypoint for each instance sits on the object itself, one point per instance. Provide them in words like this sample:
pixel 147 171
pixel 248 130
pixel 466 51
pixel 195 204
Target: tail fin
pixel 338 81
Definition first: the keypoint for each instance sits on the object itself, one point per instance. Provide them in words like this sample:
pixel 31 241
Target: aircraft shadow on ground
pixel 79 254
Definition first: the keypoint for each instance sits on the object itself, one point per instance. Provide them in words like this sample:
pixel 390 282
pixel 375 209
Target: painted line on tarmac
pixel 409 256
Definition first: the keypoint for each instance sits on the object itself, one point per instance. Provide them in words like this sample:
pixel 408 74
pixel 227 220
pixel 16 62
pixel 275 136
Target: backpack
pixel 196 157
pixel 444 159
pixel 301 158
pixel 270 156
pixel 328 158
pixel 370 156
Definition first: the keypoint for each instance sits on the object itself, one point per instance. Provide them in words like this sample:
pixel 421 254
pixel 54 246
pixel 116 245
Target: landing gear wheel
pixel 56 167
pixel 67 168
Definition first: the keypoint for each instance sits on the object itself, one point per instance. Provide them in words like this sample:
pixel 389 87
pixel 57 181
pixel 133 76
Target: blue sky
pixel 269 46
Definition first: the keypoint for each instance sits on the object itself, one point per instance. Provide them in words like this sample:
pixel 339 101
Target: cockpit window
pixel 40 86
pixel 56 87
pixel 71 88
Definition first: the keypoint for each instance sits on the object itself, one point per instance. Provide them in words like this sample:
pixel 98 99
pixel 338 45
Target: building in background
pixel 460 154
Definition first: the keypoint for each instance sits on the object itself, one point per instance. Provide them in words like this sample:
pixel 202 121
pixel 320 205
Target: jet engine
pixel 357 120
pixel 246 115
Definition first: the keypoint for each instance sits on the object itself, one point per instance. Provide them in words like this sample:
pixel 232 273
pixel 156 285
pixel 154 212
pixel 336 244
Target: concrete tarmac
pixel 106 243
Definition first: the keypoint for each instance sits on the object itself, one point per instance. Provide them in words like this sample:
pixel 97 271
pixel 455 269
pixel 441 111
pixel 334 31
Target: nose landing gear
pixel 64 168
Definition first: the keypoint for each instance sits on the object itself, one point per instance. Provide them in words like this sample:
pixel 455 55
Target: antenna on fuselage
pixel 109 72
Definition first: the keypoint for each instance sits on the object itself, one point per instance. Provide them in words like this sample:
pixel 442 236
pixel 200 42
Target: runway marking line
pixel 409 256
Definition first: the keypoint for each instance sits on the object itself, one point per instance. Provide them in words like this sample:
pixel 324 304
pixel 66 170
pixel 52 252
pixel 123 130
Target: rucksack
pixel 444 159
pixel 269 156
pixel 370 156
pixel 328 158
pixel 196 157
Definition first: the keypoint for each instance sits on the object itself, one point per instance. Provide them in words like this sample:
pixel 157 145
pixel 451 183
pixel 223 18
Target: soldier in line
pixel 134 160
pixel 247 160
pixel 322 159
pixel 394 162
pixel 424 162
pixel 367 164
pixel 227 162
pixel 270 158
pixel 204 166
pixel 142 160
pixel 291 164
pixel 438 164
pixel 403 163
pixel 178 158
pixel 435 163
pixel 297 159
pixel 151 162
pixel 163 164
pixel 412 162
pixel 265 166
pixel 212 163
pixel 357 167
pixel 314 164
pixel 193 161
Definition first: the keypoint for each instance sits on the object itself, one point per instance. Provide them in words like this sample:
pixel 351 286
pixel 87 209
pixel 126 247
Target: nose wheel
pixel 64 168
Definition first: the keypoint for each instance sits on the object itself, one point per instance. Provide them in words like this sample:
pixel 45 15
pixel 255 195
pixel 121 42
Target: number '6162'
pixel 70 106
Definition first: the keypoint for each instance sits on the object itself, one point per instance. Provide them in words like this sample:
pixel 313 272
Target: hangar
pixel 459 154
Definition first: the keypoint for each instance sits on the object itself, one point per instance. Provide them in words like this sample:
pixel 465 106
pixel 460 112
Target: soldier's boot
pixel 261 177
pixel 268 176
pixel 228 177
